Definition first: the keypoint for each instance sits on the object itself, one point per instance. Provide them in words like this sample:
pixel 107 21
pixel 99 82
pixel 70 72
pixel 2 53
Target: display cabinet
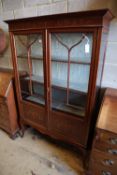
pixel 58 63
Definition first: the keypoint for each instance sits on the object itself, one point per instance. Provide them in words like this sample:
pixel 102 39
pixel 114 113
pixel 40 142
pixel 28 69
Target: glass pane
pixel 70 60
pixel 30 66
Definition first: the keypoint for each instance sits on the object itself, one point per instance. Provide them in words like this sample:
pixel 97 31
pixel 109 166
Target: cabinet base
pixel 83 152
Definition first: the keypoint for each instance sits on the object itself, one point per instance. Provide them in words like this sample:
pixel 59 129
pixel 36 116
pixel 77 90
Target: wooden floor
pixel 34 154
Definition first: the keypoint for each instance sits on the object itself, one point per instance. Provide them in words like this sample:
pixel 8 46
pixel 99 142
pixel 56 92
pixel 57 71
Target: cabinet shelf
pixel 35 99
pixel 55 60
pixel 35 78
pixel 72 62
pixel 62 84
pixel 70 109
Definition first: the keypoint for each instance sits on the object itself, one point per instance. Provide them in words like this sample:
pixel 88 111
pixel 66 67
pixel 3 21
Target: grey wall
pixel 13 9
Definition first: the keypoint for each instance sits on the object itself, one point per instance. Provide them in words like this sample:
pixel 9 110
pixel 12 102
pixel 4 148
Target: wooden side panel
pixel 101 58
pixel 5 79
pixel 8 111
pixel 12 109
pixel 4 119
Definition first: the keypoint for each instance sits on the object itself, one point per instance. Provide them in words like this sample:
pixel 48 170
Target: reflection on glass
pixel 30 66
pixel 70 59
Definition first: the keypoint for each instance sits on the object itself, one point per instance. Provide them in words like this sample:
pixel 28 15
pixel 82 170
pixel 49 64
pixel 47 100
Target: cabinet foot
pixel 14 136
pixel 21 133
pixel 88 173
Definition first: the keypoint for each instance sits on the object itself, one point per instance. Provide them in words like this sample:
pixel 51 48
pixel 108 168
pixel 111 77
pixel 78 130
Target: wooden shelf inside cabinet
pixel 71 62
pixel 8 111
pixel 56 60
pixel 56 83
pixel 35 78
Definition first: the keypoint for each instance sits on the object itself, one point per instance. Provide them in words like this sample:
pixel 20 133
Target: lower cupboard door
pixel 67 128
pixel 34 113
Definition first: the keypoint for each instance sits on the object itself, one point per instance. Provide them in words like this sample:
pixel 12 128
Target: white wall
pixel 14 9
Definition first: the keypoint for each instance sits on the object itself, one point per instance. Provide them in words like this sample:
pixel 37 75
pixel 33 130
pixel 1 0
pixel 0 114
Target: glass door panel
pixel 70 68
pixel 29 50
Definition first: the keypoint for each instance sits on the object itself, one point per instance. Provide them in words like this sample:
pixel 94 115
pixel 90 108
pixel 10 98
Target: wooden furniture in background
pixel 8 111
pixel 103 160
pixel 62 57
pixel 3 41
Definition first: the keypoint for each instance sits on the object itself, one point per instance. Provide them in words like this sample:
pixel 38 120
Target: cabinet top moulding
pixel 93 18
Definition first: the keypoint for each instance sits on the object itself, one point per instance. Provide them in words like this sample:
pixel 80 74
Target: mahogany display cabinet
pixel 58 63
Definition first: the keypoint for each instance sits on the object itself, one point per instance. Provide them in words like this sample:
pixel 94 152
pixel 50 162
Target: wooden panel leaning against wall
pixel 62 63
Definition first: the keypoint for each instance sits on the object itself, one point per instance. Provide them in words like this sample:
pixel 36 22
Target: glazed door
pixel 30 67
pixel 70 54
